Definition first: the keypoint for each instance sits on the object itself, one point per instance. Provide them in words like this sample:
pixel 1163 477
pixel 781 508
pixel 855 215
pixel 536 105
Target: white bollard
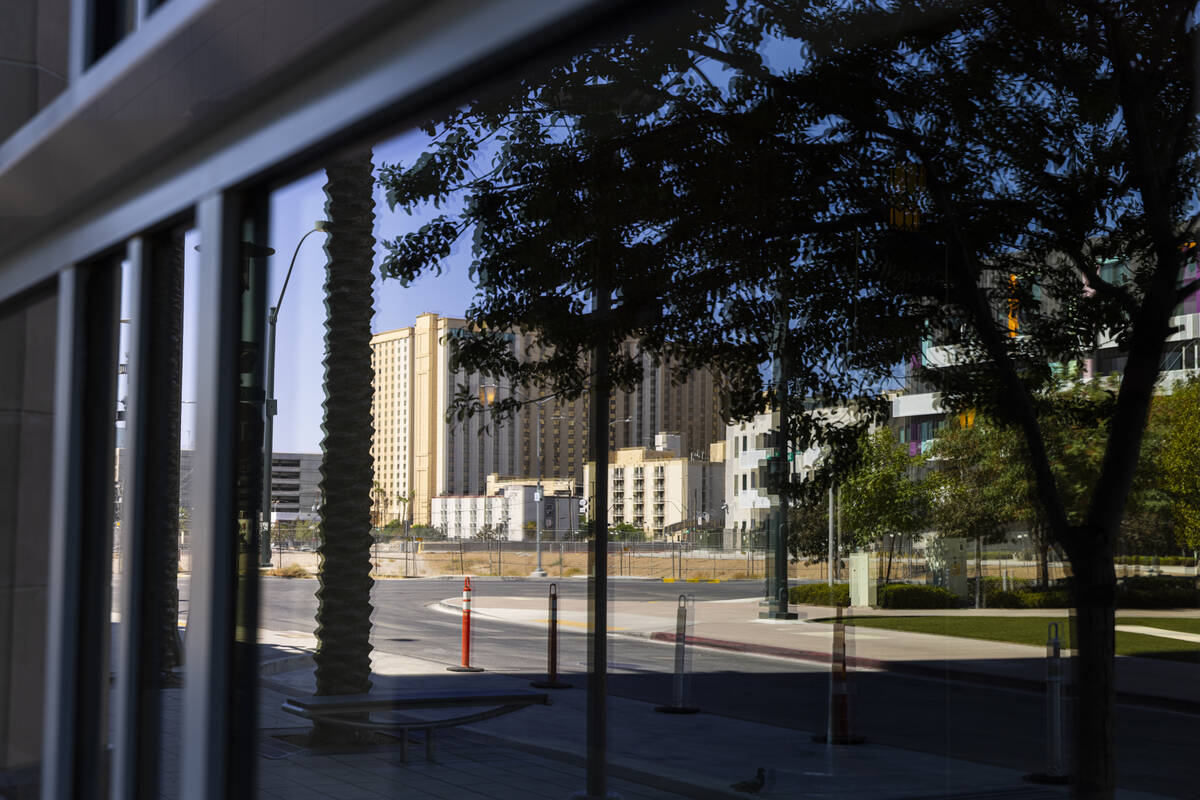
pixel 1056 768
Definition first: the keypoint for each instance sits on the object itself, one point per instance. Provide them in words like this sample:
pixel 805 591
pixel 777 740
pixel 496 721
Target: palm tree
pixel 165 277
pixel 343 657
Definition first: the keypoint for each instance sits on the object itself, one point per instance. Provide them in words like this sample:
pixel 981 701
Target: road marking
pixel 1162 632
pixel 573 624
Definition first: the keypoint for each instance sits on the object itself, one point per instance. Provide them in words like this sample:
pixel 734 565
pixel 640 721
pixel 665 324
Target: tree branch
pixel 978 307
pixel 1110 290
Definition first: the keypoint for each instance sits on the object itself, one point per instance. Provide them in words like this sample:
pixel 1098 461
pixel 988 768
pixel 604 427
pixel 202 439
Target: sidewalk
pixel 539 751
pixel 734 625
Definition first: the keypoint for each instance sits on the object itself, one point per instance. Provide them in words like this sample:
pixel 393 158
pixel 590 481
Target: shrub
pixel 1151 592
pixel 819 594
pixel 905 595
pixel 290 571
pixel 1045 598
pixel 1005 599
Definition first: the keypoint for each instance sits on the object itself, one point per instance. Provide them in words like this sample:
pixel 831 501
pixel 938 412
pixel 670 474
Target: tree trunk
pixel 1044 563
pixel 1094 587
pixel 165 278
pixel 978 571
pixel 343 657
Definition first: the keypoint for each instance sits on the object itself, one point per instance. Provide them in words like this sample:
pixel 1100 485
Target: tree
pixel 881 496
pixel 1179 460
pixel 626 532
pixel 343 657
pixel 873 175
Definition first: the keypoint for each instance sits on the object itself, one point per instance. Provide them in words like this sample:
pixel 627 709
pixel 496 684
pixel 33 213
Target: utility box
pixel 948 564
pixel 862 579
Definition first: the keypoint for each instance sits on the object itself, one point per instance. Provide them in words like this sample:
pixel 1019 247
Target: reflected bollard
pixel 552 681
pixel 1056 769
pixel 838 730
pixel 679 694
pixel 466 632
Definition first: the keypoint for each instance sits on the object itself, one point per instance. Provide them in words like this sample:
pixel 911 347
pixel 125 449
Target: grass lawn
pixel 1032 630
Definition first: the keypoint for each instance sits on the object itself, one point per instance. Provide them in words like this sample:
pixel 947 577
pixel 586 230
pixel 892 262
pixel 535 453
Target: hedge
pixel 1132 592
pixel 1163 561
pixel 909 595
pixel 818 594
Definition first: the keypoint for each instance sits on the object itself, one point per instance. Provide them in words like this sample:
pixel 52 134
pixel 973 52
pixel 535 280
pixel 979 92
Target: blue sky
pixel 300 344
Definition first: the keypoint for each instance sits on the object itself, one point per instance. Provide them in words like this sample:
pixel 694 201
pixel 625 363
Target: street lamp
pixel 271 405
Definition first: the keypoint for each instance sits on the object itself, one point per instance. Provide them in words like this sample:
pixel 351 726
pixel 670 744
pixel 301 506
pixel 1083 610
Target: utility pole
pixel 775 605
pixel 597 685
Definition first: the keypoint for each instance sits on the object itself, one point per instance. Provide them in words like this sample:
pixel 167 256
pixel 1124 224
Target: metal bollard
pixel 1056 770
pixel 466 632
pixel 552 681
pixel 678 699
pixel 838 729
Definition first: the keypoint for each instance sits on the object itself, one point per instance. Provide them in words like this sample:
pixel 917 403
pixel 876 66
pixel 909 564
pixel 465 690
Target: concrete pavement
pixel 539 751
pixel 734 625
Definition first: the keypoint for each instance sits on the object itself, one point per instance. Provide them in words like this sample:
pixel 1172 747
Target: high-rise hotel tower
pixel 420 454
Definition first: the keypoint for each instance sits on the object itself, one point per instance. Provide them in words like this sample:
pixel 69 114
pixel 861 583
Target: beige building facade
pixel 420 455
pixel 658 489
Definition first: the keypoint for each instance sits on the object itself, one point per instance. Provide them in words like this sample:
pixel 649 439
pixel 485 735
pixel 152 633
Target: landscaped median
pixel 1033 631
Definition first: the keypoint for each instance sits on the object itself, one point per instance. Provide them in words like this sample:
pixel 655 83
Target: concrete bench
pixel 336 708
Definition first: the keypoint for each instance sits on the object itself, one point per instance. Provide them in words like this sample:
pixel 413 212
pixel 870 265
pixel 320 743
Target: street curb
pixel 615 769
pixel 917 670
pixel 285 664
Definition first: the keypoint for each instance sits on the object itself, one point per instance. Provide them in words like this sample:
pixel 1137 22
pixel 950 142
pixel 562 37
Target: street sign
pixel 583 505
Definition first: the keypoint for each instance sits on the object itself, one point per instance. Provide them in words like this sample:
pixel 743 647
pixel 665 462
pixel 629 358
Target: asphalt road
pixel 958 720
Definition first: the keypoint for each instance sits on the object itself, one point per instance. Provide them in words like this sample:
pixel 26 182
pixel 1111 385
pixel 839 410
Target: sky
pixel 300 345
pixel 300 339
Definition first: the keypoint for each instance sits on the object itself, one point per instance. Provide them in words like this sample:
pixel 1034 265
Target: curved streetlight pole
pixel 271 404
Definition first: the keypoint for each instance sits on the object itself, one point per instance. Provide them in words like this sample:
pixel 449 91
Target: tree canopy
pixel 879 177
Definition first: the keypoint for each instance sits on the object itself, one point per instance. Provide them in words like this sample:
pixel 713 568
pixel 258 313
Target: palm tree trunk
pixel 343 657
pixel 165 278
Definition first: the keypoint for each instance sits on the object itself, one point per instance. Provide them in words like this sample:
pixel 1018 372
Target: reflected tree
pixel 891 176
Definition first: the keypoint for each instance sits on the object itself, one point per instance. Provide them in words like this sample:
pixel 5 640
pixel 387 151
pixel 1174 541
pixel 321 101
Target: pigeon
pixel 752 786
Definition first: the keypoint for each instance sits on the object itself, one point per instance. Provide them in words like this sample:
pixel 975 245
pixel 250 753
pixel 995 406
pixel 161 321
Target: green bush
pixel 1150 592
pixel 907 595
pixel 819 594
pixel 1005 599
pixel 1044 598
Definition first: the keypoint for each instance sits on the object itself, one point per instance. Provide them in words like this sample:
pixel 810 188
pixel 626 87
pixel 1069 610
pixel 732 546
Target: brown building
pixel 420 455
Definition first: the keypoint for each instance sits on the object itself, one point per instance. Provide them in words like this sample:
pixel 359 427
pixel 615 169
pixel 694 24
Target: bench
pixel 334 708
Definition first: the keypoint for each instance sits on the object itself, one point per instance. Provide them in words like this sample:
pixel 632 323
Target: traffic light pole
pixel 775 604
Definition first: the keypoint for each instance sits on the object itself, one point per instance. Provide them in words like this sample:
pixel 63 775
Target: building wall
pixel 295 485
pixel 656 489
pixel 33 58
pixel 419 453
pixel 691 408
pixel 391 450
pixel 511 511
pixel 747 500
pixel 27 347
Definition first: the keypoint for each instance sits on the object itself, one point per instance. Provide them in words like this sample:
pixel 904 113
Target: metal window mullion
pixel 210 636
pixel 78 620
pixel 62 645
pixel 135 746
